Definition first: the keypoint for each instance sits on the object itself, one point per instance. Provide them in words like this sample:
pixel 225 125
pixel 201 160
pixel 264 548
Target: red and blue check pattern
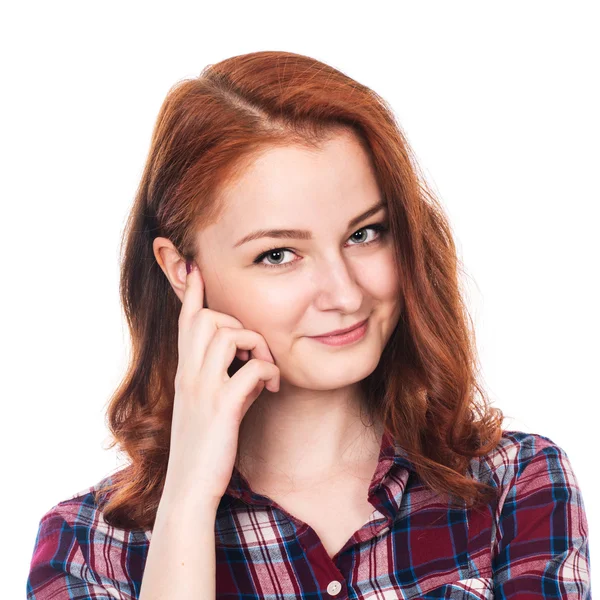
pixel 531 543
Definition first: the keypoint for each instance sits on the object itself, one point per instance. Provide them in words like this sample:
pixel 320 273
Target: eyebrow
pixel 303 234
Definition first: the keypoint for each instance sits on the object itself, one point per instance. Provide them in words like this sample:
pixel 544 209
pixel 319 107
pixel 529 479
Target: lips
pixel 341 331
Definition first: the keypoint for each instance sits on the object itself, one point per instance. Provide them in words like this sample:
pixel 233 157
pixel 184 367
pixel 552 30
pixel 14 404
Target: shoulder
pixel 521 453
pixel 79 510
pixel 77 551
pixel 528 470
pixel 81 513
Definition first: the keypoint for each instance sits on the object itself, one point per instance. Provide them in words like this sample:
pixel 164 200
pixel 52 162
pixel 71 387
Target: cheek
pixel 381 280
pixel 281 304
pixel 383 285
pixel 268 308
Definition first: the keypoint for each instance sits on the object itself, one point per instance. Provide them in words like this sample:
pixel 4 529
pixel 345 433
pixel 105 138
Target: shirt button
pixel 334 588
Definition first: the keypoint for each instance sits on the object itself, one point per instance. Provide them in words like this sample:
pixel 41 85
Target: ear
pixel 172 264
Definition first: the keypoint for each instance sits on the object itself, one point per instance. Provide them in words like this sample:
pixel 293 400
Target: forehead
pixel 296 186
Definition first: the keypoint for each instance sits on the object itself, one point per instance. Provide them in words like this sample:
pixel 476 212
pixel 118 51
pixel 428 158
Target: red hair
pixel 424 388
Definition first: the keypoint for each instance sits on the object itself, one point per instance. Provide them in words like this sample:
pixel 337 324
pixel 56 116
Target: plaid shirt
pixel 532 543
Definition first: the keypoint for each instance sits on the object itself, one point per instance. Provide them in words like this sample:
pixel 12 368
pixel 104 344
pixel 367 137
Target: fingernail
pixel 188 267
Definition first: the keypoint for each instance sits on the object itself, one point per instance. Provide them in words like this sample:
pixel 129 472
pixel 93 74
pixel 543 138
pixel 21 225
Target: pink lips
pixel 347 337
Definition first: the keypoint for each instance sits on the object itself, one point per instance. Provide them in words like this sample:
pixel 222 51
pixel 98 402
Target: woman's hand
pixel 209 405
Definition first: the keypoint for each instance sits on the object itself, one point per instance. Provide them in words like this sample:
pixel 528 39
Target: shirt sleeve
pixel 58 569
pixel 541 548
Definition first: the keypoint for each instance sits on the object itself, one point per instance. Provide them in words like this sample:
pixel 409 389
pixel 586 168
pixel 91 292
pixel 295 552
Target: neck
pixel 307 436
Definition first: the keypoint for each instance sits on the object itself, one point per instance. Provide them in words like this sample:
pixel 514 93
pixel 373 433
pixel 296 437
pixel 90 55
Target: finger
pixel 244 382
pixel 195 336
pixel 224 345
pixel 197 324
pixel 242 354
pixel 193 295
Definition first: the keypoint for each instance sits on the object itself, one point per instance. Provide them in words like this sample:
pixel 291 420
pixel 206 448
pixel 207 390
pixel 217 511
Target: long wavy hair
pixel 424 388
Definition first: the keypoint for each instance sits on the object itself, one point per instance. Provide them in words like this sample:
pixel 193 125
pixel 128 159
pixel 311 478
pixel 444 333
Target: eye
pixel 277 253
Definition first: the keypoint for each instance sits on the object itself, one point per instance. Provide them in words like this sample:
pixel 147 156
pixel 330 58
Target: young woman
pixel 301 410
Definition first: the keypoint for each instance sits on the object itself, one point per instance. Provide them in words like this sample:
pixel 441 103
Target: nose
pixel 337 285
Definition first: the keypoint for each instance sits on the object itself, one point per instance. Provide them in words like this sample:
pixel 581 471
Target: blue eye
pixel 380 228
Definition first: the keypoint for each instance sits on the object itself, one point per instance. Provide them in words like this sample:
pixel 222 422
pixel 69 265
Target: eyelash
pixel 379 227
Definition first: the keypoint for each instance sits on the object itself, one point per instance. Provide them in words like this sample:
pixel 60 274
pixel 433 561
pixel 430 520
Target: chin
pixel 320 371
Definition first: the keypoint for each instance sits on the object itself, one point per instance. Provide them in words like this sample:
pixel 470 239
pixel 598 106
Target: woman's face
pixel 332 276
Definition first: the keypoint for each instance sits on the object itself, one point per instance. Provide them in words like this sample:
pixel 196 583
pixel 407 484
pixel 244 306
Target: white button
pixel 334 588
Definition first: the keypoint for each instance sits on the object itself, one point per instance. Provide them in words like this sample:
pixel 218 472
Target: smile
pixel 344 339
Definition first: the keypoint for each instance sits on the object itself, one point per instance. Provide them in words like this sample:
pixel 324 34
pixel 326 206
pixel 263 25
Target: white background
pixel 499 101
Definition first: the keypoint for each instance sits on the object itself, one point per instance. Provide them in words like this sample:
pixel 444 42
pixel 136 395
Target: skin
pixel 311 430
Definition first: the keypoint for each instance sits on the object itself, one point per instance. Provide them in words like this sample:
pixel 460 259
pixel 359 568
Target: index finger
pixel 193 295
